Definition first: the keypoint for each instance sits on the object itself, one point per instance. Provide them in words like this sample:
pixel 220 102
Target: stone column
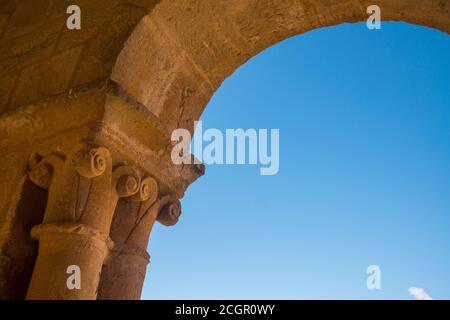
pixel 124 272
pixel 69 161
pixel 83 193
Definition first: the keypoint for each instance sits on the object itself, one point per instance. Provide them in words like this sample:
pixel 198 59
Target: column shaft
pixel 61 247
pixel 123 275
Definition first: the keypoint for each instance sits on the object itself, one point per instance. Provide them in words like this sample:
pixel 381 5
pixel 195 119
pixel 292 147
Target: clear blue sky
pixel 364 119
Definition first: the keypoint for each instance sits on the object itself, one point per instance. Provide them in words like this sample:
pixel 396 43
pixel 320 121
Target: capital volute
pixel 126 181
pixel 90 161
pixel 42 169
pixel 169 210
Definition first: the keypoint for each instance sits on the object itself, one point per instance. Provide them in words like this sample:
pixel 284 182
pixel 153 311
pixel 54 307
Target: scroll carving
pixel 83 187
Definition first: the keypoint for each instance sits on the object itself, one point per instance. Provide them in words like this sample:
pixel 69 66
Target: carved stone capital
pixel 148 191
pixel 91 151
pixel 134 219
pixel 135 215
pixel 89 160
pixel 124 271
pixel 84 187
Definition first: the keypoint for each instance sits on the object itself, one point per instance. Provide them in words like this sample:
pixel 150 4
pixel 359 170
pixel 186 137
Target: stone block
pixel 28 16
pixel 25 50
pixel 47 78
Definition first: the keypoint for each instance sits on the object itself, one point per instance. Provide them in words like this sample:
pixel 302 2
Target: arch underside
pixel 181 52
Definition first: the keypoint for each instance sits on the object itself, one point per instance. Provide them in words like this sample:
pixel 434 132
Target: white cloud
pixel 419 293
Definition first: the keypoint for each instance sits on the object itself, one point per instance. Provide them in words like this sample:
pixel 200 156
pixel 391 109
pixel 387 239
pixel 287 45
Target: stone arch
pixel 181 52
pixel 96 108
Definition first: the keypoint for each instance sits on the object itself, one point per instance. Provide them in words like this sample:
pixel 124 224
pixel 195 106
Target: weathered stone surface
pixel 34 32
pixel 47 78
pixel 135 71
pixel 26 50
pixel 3 21
pixel 46 134
pixel 100 56
pixel 195 45
pixel 7 84
pixel 27 16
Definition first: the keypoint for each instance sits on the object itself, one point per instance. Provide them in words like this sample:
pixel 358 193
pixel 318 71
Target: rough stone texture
pixel 32 33
pixel 33 140
pixel 181 52
pixel 51 76
pixel 7 83
pixel 117 88
pixel 124 272
pixel 21 207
